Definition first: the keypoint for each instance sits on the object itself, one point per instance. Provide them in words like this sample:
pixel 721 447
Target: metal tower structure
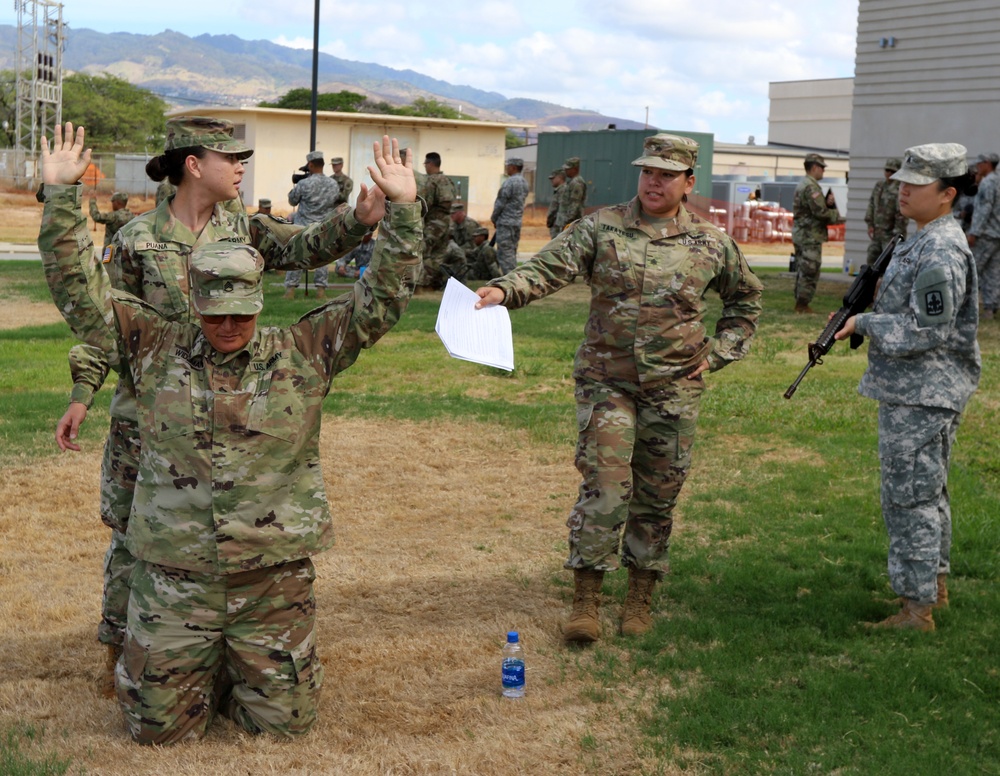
pixel 40 42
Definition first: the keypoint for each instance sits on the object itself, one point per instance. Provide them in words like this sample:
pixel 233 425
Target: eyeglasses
pixel 218 320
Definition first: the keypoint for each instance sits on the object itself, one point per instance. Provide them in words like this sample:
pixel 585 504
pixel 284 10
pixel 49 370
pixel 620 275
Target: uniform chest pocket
pixel 613 268
pixel 680 272
pixel 179 407
pixel 275 410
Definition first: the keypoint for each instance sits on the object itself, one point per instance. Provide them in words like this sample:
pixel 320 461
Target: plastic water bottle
pixel 512 671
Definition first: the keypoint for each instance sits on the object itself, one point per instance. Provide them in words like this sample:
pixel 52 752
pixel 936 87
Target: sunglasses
pixel 218 320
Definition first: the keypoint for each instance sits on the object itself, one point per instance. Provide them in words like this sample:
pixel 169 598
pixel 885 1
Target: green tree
pixel 118 116
pixel 301 99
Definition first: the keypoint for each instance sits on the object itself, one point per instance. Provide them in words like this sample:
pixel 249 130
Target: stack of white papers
pixel 482 336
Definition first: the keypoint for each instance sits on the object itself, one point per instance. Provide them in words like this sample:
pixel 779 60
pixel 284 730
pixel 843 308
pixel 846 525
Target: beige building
pixel 773 162
pixel 473 150
pixel 811 114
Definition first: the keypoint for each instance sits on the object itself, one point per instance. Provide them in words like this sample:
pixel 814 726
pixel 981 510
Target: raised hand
pixel 392 174
pixel 67 160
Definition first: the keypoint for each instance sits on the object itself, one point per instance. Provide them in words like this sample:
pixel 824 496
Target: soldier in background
pixel 345 183
pixel 316 197
pixel 165 191
pixel 574 195
pixel 462 227
pixel 639 372
pixel 811 214
pixel 508 213
pixel 264 207
pixel 923 367
pixel 883 217
pixel 558 179
pixel 438 193
pixel 482 261
pixel 984 234
pixel 114 220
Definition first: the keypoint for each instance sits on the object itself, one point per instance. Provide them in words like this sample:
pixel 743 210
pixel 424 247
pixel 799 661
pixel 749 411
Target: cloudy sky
pixel 701 65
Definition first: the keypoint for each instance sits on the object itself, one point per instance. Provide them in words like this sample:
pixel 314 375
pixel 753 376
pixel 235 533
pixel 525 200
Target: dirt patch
pixel 443 545
pixel 15 313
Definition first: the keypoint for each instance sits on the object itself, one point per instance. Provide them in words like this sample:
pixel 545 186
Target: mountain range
pixel 227 70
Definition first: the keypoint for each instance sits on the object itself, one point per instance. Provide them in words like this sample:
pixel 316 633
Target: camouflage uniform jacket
pixel 508 208
pixel 482 262
pixel 112 220
pixel 316 198
pixel 647 293
pixel 438 192
pixel 923 349
pixel 986 211
pixel 552 216
pixel 149 259
pixel 229 473
pixel 810 215
pixel 346 186
pixel 462 233
pixel 571 202
pixel 883 214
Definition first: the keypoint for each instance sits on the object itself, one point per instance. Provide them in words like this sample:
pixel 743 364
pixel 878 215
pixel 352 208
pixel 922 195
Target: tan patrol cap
pixel 226 279
pixel 204 132
pixel 668 152
pixel 816 159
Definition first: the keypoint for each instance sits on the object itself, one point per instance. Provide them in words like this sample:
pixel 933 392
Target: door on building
pixel 360 157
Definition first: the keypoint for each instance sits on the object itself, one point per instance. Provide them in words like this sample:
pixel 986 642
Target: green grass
pixel 15 762
pixel 757 663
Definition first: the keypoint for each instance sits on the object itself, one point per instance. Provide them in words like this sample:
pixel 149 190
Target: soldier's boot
pixel 803 307
pixel 942 592
pixel 583 623
pixel 320 293
pixel 912 616
pixel 106 683
pixel 636 617
pixel 290 293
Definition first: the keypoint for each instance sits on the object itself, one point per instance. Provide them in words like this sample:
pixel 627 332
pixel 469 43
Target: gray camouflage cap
pixel 204 132
pixel 120 196
pixel 226 279
pixel 314 156
pixel 991 158
pixel 481 230
pixel 516 162
pixel 668 152
pixel 927 163
pixel 893 163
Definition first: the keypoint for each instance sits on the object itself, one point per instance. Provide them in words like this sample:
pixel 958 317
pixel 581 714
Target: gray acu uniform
pixel 923 366
pixel 883 217
pixel 636 409
pixel 986 229
pixel 316 197
pixel 230 502
pixel 810 217
pixel 508 212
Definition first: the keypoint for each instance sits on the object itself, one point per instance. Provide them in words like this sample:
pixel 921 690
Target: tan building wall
pixel 735 159
pixel 811 114
pixel 280 139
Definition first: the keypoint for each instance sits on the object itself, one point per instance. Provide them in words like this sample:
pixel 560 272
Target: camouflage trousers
pixel 321 276
pixel 876 246
pixel 915 452
pixel 241 644
pixel 119 468
pixel 808 263
pixel 508 238
pixel 634 453
pixel 435 254
pixel 987 254
pixel 554 231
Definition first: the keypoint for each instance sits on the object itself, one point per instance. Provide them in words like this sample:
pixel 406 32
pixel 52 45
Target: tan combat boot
pixel 636 618
pixel 912 616
pixel 320 293
pixel 289 294
pixel 942 599
pixel 583 624
pixel 106 682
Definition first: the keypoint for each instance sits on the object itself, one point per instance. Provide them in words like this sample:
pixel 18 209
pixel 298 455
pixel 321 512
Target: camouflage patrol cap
pixel 515 162
pixel 927 163
pixel 668 152
pixel 482 230
pixel 456 206
pixel 893 163
pixel 560 173
pixel 815 159
pixel 991 158
pixel 263 203
pixel 573 161
pixel 337 160
pixel 120 196
pixel 204 132
pixel 314 156
pixel 226 279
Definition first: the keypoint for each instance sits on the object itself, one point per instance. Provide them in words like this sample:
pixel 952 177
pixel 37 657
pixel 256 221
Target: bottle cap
pixel 512 637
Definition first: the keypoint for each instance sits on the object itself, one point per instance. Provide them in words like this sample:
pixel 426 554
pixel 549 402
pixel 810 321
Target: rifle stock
pixel 858 298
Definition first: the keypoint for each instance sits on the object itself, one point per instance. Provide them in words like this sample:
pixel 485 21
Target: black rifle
pixel 857 299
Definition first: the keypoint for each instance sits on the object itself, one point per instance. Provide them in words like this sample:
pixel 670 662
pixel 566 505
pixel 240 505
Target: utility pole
pixel 647 118
pixel 315 81
pixel 38 65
